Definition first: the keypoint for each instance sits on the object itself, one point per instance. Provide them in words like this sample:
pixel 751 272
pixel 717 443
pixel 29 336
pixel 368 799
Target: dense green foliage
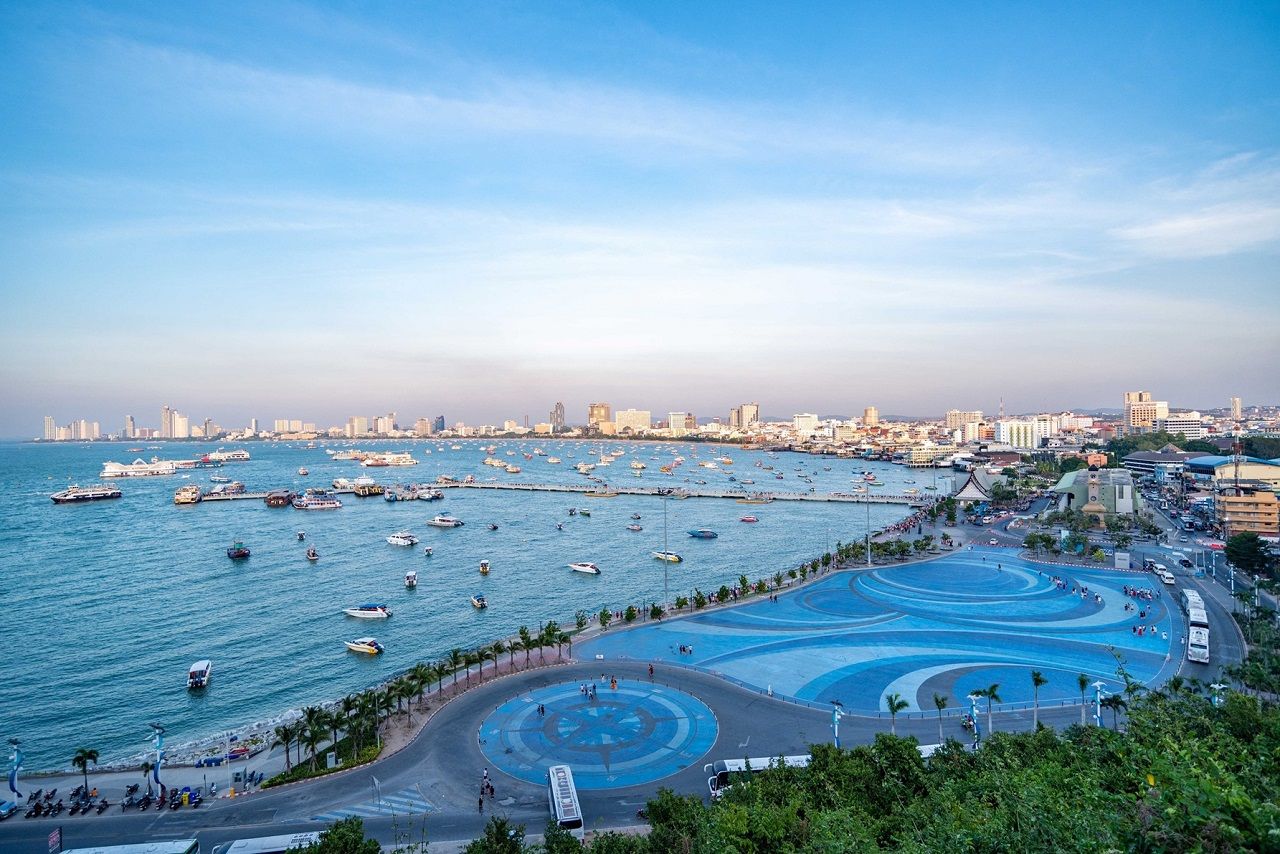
pixel 1260 670
pixel 1184 776
pixel 345 836
pixel 1249 552
pixel 1122 446
pixel 1263 447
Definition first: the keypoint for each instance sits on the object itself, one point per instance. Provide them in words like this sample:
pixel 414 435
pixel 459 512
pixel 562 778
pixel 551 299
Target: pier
pixel 761 496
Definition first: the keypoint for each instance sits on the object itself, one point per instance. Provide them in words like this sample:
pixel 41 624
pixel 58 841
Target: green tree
pixel 580 619
pixel 723 594
pixel 558 840
pixel 940 703
pixel 500 837
pixel 743 585
pixel 1037 681
pixel 605 616
pixel 83 758
pixel 1082 682
pixel 682 602
pixel 455 663
pixel 526 642
pixel 992 693
pixel 1115 703
pixel 629 615
pixel 894 703
pixel 1249 553
pixel 284 735
pixel 655 611
pixel 345 836
pixel 699 599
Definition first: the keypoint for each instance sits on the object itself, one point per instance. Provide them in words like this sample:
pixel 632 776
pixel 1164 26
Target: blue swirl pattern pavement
pixel 948 626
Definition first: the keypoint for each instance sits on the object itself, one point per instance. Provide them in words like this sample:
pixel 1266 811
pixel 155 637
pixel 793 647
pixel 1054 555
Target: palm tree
pixel 895 704
pixel 312 736
pixel 563 638
pixel 993 696
pixel 496 649
pixel 421 673
pixel 455 661
pixel 940 702
pixel 1082 682
pixel 284 736
pixel 147 766
pixel 512 648
pixel 1115 703
pixel 526 643
pixel 468 660
pixel 1037 679
pixel 81 760
pixel 552 634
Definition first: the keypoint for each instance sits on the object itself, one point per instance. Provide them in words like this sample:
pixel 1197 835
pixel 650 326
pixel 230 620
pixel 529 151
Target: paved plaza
pixel 952 625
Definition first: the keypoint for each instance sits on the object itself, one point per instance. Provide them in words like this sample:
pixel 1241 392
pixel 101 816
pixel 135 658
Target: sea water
pixel 107 603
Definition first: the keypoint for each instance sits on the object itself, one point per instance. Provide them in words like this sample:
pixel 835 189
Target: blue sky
pixel 315 210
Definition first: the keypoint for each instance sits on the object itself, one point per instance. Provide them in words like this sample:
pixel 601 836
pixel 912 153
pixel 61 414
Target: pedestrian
pixel 650 671
pixel 485 774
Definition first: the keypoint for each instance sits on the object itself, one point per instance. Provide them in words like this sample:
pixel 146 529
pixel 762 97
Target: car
pixel 993 542
pixel 7 808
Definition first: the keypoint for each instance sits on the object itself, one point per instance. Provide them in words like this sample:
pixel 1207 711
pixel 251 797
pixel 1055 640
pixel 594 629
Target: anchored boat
pixel 365 645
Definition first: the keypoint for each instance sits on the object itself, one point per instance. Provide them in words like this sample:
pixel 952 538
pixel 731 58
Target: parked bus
pixel 562 797
pixel 722 771
pixel 1198 645
pixel 171 846
pixel 1191 600
pixel 1197 618
pixel 268 844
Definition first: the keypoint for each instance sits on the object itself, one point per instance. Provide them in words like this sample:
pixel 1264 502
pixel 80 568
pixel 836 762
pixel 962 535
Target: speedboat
pixel 669 557
pixel 588 568
pixel 368 645
pixel 312 554
pixel 402 538
pixel 238 551
pixel 582 511
pixel 634 528
pixel 445 521
pixel 492 527
pixel 303 472
pixel 479 602
pixel 635 515
pixel 371 611
pixel 411 579
pixel 217 478
pixel 484 567
pixel 198 674
pixel 703 534
pixel 426 551
pixel 749 519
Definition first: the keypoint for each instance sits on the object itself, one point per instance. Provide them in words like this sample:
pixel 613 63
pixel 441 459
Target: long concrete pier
pixel 594 491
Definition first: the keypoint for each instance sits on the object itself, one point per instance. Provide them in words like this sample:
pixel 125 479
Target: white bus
pixel 562 797
pixel 268 844
pixel 1191 600
pixel 1197 618
pixel 171 846
pixel 1198 645
pixel 722 770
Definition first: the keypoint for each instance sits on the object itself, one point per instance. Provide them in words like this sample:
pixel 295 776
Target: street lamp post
pixel 15 765
pixel 837 711
pixel 157 735
pixel 1217 689
pixel 973 716
pixel 867 502
pixel 1097 702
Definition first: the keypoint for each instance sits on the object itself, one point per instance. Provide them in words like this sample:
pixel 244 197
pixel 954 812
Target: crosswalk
pixel 404 802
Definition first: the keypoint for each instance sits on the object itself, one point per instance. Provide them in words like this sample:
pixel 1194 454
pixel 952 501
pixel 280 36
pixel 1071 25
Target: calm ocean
pixel 107 603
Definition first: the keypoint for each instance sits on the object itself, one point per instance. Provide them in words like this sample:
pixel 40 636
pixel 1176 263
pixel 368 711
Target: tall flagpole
pixel 157 734
pixel 15 765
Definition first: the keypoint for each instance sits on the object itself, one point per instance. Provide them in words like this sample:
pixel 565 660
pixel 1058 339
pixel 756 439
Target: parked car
pixel 7 808
pixel 993 542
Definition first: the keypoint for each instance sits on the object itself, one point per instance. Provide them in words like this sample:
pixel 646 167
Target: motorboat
pixel 479 602
pixel 582 511
pixel 749 519
pixel 366 645
pixel 369 611
pixel 588 568
pixel 635 516
pixel 303 472
pixel 312 554
pixel 484 567
pixel 402 538
pixel 426 551
pixel 411 579
pixel 76 494
pixel 492 527
pixel 198 674
pixel 238 551
pixel 445 521
pixel 218 478
pixel 703 534
pixel 555 461
pixel 634 527
pixel 189 494
pixel 279 498
pixel 302 535
pixel 669 557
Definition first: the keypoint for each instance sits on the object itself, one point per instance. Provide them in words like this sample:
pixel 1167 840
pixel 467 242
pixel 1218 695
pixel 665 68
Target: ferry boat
pixel 235 487
pixel 139 468
pixel 218 478
pixel 637 465
pixel 588 568
pixel 236 456
pixel 316 501
pixel 93 492
pixel 366 645
pixel 411 579
pixel 484 567
pixel 669 557
pixel 634 527
pixel 198 674
pixel 445 521
pixel 312 554
pixel 189 494
pixel 279 498
pixel 479 602
pixel 369 611
pixel 238 551
pixel 749 519
pixel 703 534
pixel 402 538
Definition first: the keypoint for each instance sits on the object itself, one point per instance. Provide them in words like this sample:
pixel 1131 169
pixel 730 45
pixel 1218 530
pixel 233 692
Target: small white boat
pixel 479 602
pixel 198 674
pixel 370 611
pixel 445 521
pixel 669 557
pixel 411 579
pixel 426 551
pixel 484 567
pixel 588 568
pixel 402 538
pixel 634 528
pixel 367 645
pixel 303 472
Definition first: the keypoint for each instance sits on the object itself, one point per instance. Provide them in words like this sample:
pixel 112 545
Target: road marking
pixel 405 802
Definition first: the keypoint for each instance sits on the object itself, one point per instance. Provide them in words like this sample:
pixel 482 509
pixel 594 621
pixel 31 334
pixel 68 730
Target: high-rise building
pixel 957 418
pixel 166 422
pixel 750 414
pixel 690 421
pixel 804 423
pixel 280 425
pixel 209 428
pixel 422 427
pixel 557 417
pixel 253 426
pixel 357 425
pixel 598 413
pixel 50 429
pixel 438 426
pixel 1237 411
pixel 735 418
pixel 1189 424
pixel 1141 412
pixel 181 427
pixel 130 429
pixel 871 417
pixel 633 420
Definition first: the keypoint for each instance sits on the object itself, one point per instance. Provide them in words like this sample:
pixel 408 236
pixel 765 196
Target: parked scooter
pixel 34 796
pixel 131 790
pixel 37 810
pixel 102 806
pixel 48 796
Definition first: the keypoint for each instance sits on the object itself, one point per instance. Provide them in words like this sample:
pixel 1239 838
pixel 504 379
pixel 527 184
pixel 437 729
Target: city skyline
pixel 482 211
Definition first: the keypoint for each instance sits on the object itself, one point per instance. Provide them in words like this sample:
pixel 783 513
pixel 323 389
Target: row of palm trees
pixel 360 717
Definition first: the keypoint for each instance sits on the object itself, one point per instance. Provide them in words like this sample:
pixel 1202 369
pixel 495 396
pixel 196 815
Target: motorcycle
pixel 102 806
pixel 131 790
pixel 34 796
pixel 144 802
pixel 75 808
pixel 36 811
pixel 129 801
pixel 48 796
pixel 57 808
